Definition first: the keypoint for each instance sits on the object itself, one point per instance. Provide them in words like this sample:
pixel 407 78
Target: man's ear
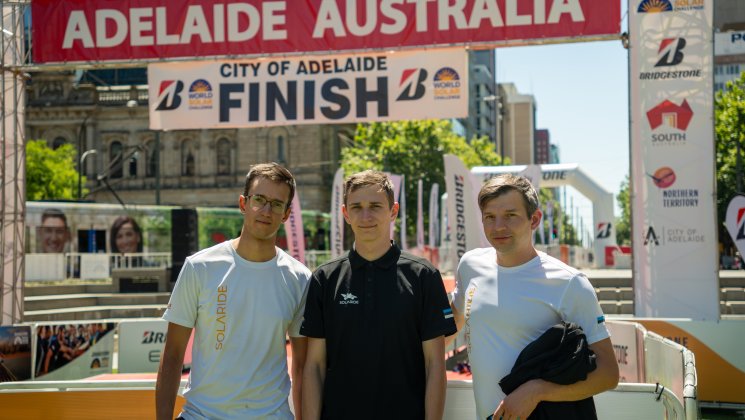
pixel 287 214
pixel 394 211
pixel 344 213
pixel 242 203
pixel 535 219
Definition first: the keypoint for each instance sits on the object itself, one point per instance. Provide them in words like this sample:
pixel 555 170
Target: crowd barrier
pixel 658 376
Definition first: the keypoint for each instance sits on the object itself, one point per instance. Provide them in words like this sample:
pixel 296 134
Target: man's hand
pixel 521 402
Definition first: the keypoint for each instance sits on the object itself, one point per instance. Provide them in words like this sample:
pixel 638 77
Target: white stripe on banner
pixel 434 216
pixel 396 181
pixel 672 162
pixel 337 220
pixel 402 213
pixel 381 86
pixel 294 231
pixel 419 215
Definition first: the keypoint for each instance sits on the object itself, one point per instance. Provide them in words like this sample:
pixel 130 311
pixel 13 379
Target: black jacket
pixel 560 355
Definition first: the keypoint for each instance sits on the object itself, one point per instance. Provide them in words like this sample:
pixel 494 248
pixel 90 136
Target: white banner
pixel 402 214
pixel 736 222
pixel 396 181
pixel 140 345
pixel 628 344
pixel 550 218
pixel 309 90
pixel 294 231
pixel 533 173
pixel 434 216
pixel 729 43
pixel 464 216
pixel 672 160
pixel 419 215
pixel 337 219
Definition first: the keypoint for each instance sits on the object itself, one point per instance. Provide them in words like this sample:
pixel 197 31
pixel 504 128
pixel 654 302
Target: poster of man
pixel 15 353
pixel 54 232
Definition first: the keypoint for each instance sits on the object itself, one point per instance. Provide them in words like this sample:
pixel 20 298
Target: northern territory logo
pixel 412 81
pixel 349 299
pixel 663 177
pixel 447 84
pixel 200 95
pixel 669 121
pixel 169 95
pixel 670 54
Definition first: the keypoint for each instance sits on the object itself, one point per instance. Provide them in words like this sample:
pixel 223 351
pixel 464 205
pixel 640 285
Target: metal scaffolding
pixel 12 163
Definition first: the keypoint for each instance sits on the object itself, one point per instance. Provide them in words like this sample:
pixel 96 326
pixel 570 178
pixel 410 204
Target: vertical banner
pixel 419 216
pixel 396 181
pixel 672 159
pixel 15 353
pixel 533 173
pixel 736 222
pixel 337 220
pixel 464 216
pixel 434 216
pixel 402 213
pixel 550 218
pixel 294 231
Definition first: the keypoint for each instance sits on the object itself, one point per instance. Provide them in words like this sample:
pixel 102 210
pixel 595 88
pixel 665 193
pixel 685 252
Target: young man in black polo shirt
pixel 376 320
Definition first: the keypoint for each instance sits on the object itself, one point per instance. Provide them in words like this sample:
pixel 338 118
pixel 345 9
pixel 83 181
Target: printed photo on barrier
pixel 15 353
pixel 73 351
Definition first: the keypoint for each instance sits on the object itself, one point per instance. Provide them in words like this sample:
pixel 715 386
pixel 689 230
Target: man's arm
pixel 460 320
pixel 314 375
pixel 522 401
pixel 434 368
pixel 169 372
pixel 299 346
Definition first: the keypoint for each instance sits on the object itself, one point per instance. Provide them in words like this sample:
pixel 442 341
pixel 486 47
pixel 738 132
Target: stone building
pixel 108 124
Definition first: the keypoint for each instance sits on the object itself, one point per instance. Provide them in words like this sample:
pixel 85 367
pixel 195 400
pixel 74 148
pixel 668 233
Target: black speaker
pixel 184 238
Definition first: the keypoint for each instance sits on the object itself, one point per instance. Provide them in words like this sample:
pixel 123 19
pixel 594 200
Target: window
pixel 281 149
pixel 59 141
pixel 115 159
pixel 188 163
pixel 151 159
pixel 223 157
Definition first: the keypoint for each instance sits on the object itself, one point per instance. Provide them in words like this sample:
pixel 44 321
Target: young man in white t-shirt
pixel 508 295
pixel 242 297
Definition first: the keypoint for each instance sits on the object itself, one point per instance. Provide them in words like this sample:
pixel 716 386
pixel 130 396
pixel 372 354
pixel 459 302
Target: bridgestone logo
pixel 662 75
pixel 460 217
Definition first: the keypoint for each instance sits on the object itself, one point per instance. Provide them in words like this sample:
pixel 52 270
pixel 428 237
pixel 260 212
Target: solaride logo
pixel 413 82
pixel 169 95
pixel 447 84
pixel 349 299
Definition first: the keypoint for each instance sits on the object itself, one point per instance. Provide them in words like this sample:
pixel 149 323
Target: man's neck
pixel 254 250
pixel 516 259
pixel 372 251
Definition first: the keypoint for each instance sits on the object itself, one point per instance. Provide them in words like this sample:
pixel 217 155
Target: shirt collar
pixel 385 261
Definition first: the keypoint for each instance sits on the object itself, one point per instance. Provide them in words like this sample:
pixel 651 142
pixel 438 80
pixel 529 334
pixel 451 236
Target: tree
pixel 623 225
pixel 729 125
pixel 50 174
pixel 414 149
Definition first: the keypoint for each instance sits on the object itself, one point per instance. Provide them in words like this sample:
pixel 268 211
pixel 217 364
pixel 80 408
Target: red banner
pixel 110 30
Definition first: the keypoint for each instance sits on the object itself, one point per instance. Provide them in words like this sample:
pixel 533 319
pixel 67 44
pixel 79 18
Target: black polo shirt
pixel 374 317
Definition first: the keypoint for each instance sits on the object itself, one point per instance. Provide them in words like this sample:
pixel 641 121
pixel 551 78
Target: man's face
pixel 368 213
pixel 53 234
pixel 262 221
pixel 506 224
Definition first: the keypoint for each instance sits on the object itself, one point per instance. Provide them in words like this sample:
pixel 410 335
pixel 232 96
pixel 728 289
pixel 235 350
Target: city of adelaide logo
pixel 663 177
pixel 169 95
pixel 667 115
pixel 604 230
pixel 447 84
pixel 657 6
pixel 670 236
pixel 414 84
pixel 200 95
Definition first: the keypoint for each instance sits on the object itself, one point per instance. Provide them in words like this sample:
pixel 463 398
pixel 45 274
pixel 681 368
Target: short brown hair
pixel 273 172
pixel 502 184
pixel 366 179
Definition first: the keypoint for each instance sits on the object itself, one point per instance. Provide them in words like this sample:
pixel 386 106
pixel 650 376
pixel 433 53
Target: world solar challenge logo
pixel 200 95
pixel 447 84
pixel 658 6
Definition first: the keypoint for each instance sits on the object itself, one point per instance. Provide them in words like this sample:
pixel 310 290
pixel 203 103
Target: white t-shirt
pixel 506 309
pixel 241 311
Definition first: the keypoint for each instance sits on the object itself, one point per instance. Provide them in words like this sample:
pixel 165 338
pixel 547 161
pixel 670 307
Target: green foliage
pixel 729 114
pixel 51 174
pixel 623 224
pixel 414 149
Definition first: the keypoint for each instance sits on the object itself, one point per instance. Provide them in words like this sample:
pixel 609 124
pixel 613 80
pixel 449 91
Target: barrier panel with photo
pixel 15 353
pixel 67 351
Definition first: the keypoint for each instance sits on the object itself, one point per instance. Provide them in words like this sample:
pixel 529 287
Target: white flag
pixel 419 215
pixel 294 231
pixel 434 216
pixel 402 212
pixel 337 219
pixel 464 216
pixel 396 181
pixel 736 222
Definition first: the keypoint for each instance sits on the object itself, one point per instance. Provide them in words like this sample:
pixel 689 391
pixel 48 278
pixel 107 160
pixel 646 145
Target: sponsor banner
pixel 141 344
pixel 464 216
pixel 337 219
pixel 419 215
pixel 434 216
pixel 402 214
pixel 68 351
pixel 308 90
pixel 294 231
pixel 672 159
pixel 736 222
pixel 15 353
pixel 550 218
pixel 729 43
pixel 628 344
pixel 96 31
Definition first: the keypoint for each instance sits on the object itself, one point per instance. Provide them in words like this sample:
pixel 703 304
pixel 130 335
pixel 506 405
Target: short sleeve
pixel 297 321
pixel 312 325
pixel 183 304
pixel 580 305
pixel 459 292
pixel 437 317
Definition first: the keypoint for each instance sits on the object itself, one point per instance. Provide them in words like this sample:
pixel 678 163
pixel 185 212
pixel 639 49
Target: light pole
pixel 132 104
pixel 80 155
pixel 80 172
